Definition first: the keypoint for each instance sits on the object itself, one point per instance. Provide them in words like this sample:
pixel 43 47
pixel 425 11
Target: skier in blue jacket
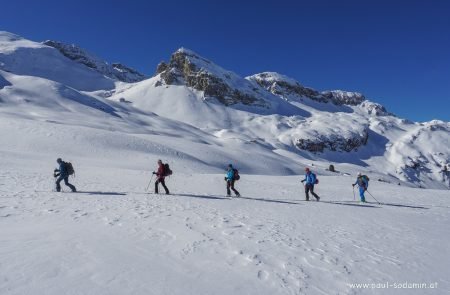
pixel 363 183
pixel 230 179
pixel 62 174
pixel 310 181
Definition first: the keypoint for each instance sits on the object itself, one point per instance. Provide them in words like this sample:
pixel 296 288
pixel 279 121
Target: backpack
pixel 236 174
pixel 316 180
pixel 366 178
pixel 167 171
pixel 69 168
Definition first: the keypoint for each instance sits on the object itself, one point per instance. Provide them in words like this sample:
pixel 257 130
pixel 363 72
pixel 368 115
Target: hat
pixel 159 161
pixel 307 169
pixel 359 173
pixel 58 160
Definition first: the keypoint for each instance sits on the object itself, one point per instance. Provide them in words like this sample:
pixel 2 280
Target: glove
pixel 225 178
pixel 302 180
pixel 353 184
pixel 154 172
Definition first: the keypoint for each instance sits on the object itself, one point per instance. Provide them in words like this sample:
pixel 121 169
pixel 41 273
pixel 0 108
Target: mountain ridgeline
pixel 267 122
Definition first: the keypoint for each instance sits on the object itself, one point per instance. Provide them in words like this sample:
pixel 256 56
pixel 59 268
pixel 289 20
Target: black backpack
pixel 236 174
pixel 69 168
pixel 167 171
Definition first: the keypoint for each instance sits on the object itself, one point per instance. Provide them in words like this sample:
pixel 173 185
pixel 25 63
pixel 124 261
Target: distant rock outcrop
pixel 335 142
pixel 187 68
pixel 116 71
pixel 284 86
pixel 375 109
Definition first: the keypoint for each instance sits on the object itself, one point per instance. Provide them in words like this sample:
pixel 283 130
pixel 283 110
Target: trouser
pixel 361 194
pixel 66 182
pixel 230 184
pixel 310 188
pixel 157 182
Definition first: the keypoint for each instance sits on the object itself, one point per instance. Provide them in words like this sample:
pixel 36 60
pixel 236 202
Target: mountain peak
pixel 188 68
pixel 114 71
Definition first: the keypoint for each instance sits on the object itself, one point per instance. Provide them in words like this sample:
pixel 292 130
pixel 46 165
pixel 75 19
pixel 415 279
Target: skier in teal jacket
pixel 363 183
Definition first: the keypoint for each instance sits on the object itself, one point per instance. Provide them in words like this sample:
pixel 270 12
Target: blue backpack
pixel 315 179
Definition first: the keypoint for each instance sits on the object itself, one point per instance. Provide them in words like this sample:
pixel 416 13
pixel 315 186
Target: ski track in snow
pixel 114 240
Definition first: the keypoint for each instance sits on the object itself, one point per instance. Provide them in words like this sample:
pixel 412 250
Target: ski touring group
pixel 232 175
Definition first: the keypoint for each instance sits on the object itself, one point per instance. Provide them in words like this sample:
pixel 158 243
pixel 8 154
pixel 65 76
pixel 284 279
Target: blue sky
pixel 395 52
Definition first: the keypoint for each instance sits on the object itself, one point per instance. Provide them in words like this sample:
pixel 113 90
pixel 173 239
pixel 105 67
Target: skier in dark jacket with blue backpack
pixel 63 174
pixel 363 183
pixel 310 180
pixel 232 176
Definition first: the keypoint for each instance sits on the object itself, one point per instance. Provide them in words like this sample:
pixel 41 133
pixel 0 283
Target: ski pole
pixel 373 197
pixel 149 182
pixel 354 193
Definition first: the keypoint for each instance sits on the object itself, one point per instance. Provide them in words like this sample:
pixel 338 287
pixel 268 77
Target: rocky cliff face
pixel 187 68
pixel 114 71
pixel 375 109
pixel 336 142
pixel 284 86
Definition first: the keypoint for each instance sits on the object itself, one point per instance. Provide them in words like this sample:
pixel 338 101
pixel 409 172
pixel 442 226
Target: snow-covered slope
pixel 269 123
pixel 116 71
pixel 115 238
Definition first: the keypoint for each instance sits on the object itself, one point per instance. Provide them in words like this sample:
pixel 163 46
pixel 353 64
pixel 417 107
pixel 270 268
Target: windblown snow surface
pixel 114 237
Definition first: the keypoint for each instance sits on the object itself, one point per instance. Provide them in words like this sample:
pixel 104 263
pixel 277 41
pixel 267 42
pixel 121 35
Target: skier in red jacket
pixel 160 175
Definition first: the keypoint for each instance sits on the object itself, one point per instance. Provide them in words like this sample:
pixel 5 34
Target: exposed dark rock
pixel 333 143
pixel 162 66
pixel 115 71
pixel 284 86
pixel 375 109
pixel 185 68
pixel 340 97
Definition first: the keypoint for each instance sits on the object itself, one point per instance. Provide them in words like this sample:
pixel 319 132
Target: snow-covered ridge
pixel 207 115
pixel 283 86
pixel 116 71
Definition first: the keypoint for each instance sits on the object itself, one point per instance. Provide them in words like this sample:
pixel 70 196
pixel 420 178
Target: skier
pixel 230 178
pixel 310 179
pixel 63 174
pixel 160 175
pixel 363 183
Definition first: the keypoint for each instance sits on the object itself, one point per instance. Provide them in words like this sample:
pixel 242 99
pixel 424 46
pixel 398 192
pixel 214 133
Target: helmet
pixel 230 165
pixel 159 161
pixel 58 160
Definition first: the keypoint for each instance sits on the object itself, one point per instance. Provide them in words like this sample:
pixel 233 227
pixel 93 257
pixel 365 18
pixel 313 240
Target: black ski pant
pixel 66 182
pixel 310 188
pixel 157 182
pixel 230 184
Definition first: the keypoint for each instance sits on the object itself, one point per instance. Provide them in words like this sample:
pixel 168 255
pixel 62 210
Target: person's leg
pixel 58 185
pixel 66 182
pixel 163 182
pixel 307 187
pixel 313 193
pixel 361 194
pixel 156 186
pixel 228 188
pixel 234 190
